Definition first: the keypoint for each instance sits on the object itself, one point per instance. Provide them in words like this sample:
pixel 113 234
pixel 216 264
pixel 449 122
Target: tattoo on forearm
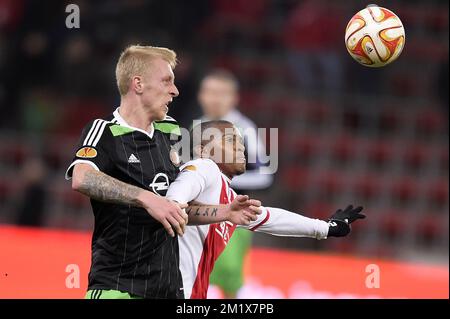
pixel 191 209
pixel 202 210
pixel 105 188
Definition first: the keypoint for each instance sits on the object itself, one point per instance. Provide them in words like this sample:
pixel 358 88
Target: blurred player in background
pixel 218 97
pixel 207 179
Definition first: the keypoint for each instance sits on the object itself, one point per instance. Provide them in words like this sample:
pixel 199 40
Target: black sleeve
pixel 94 147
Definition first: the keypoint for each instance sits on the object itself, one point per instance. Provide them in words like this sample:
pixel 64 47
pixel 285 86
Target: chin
pixel 240 170
pixel 160 117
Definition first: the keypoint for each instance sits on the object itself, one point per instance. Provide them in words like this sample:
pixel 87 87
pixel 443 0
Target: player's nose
pixel 174 91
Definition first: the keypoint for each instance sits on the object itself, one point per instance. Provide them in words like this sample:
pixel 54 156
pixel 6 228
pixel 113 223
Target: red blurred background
pixel 347 134
pixel 34 265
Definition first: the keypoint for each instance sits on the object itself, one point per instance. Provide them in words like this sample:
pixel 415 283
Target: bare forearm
pixel 200 214
pixel 102 187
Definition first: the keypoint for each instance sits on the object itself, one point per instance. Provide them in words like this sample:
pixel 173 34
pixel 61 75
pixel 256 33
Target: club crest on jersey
pixel 87 152
pixel 160 184
pixel 224 230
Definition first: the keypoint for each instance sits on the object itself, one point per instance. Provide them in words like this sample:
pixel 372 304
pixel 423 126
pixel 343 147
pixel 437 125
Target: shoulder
pixel 93 131
pixel 169 126
pixel 202 166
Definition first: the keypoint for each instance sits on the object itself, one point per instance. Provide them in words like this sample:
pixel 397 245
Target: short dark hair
pixel 223 74
pixel 196 132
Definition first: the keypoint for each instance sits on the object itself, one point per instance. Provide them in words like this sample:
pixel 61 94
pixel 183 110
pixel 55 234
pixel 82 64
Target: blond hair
pixel 137 58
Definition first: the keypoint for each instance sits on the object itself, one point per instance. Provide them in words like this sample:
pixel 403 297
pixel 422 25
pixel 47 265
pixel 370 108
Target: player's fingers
pixel 179 216
pixel 242 198
pixel 250 216
pixel 175 225
pixel 255 202
pixel 184 215
pixel 168 228
pixel 182 205
pixel 180 211
pixel 254 209
pixel 358 209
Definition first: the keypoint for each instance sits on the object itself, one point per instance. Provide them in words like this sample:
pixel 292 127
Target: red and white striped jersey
pixel 200 246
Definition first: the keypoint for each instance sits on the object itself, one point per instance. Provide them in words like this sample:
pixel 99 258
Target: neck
pixel 226 173
pixel 135 115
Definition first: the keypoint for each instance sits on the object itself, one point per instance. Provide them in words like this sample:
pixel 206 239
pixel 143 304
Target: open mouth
pixel 167 105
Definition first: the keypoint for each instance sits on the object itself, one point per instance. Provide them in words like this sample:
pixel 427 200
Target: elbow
pixel 78 177
pixel 76 183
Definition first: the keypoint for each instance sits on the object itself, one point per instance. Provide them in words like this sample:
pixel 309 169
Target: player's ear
pixel 136 84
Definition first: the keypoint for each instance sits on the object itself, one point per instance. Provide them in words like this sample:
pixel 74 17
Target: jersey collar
pixel 226 178
pixel 122 122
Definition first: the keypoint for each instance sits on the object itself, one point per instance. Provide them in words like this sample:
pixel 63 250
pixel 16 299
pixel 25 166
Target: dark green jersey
pixel 131 251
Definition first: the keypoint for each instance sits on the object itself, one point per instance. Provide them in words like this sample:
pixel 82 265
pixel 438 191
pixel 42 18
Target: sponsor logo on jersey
pixel 87 152
pixel 224 231
pixel 160 184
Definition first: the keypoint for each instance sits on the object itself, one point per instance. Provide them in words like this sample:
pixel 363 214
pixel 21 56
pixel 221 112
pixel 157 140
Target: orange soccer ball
pixel 375 36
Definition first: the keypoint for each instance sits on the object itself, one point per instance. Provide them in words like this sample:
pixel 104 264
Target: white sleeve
pixel 280 222
pixel 252 180
pixel 194 178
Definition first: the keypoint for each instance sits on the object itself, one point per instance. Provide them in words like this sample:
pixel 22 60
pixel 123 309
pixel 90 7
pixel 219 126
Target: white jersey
pixel 201 180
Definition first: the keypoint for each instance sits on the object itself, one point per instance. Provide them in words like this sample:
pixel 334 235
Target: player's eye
pixel 168 80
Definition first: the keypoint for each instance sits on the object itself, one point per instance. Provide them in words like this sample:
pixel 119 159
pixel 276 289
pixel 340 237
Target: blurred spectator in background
pixel 40 111
pixel 312 36
pixel 77 60
pixel 218 97
pixel 442 85
pixel 30 211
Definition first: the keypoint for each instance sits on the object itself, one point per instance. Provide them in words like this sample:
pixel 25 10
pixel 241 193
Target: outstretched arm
pixel 242 211
pixel 105 188
pixel 280 222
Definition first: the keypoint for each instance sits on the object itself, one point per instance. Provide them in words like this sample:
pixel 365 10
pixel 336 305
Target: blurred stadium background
pixel 347 134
